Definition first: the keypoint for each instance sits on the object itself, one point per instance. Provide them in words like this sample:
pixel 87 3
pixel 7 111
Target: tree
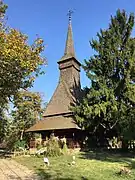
pixel 3 8
pixel 110 101
pixel 4 123
pixel 20 63
pixel 28 110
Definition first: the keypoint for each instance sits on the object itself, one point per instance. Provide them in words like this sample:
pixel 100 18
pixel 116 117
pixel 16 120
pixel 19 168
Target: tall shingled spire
pixel 69 48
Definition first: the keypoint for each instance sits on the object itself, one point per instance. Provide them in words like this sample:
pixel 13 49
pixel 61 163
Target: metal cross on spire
pixel 70 12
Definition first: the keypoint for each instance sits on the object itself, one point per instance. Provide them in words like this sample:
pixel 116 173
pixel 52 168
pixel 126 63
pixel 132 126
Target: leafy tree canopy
pixel 20 63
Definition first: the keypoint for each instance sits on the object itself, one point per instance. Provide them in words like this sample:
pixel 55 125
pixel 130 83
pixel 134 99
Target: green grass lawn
pixel 89 166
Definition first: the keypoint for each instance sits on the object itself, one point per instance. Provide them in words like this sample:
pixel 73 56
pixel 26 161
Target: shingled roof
pixel 54 123
pixel 60 102
pixel 57 114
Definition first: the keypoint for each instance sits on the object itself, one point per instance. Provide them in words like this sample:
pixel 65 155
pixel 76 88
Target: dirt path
pixel 11 170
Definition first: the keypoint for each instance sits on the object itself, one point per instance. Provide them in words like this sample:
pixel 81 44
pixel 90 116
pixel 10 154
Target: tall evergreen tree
pixel 110 101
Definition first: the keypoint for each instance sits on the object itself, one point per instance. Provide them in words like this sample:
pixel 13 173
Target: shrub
pixel 53 148
pixel 20 144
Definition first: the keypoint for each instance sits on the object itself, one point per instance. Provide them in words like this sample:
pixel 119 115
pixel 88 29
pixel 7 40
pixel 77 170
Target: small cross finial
pixel 70 12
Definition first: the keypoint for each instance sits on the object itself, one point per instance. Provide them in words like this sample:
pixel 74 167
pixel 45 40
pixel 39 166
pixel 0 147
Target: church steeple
pixel 69 48
pixel 69 66
pixel 58 116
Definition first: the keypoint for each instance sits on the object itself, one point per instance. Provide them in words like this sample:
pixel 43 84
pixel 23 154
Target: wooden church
pixel 58 117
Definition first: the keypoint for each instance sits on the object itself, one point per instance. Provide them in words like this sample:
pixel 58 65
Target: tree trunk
pixel 22 132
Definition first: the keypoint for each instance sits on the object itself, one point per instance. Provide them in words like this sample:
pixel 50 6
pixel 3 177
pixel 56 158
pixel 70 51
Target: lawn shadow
pixel 111 156
pixel 48 176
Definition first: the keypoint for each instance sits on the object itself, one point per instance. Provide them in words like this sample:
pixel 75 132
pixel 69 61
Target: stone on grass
pixel 46 161
pixel 125 171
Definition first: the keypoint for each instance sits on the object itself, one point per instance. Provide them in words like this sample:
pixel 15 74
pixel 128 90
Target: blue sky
pixel 48 19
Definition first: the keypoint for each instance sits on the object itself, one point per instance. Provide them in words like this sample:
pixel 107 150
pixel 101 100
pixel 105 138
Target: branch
pixel 113 124
pixel 95 129
pixel 103 125
pixel 11 100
